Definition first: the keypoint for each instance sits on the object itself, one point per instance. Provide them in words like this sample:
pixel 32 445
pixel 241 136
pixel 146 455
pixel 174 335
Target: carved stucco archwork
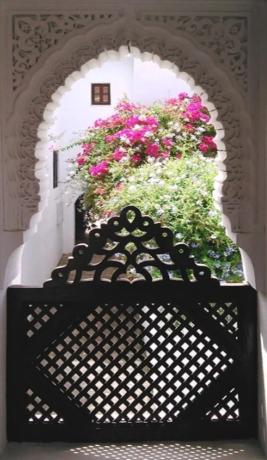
pixel 48 69
pixel 225 37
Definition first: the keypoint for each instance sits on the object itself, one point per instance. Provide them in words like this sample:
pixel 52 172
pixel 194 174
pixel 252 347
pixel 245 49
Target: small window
pixel 55 169
pixel 101 94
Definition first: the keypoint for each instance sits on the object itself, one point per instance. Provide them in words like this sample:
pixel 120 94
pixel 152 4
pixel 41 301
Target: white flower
pixel 159 212
pixel 151 160
pixel 155 180
pixel 125 139
pixel 212 213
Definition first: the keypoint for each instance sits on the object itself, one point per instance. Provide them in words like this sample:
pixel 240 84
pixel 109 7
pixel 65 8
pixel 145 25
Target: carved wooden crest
pixel 130 247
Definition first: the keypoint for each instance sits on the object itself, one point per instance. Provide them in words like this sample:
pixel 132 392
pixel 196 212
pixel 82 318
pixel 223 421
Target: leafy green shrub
pixel 178 194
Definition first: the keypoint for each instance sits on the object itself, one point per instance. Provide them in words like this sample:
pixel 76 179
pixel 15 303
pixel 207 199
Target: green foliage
pixel 179 195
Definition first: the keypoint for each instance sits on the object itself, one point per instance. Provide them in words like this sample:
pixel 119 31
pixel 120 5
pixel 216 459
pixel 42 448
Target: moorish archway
pixel 219 44
pixel 31 108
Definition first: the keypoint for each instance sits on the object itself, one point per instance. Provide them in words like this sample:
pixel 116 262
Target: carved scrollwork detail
pixel 34 34
pixel 226 37
pixel 129 247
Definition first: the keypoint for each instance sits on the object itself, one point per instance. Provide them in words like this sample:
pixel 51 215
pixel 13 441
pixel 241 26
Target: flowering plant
pixel 135 135
pixel 159 158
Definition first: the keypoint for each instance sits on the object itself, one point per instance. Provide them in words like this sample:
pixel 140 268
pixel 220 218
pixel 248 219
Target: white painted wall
pixel 141 81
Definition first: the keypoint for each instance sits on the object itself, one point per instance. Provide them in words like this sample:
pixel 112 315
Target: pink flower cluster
pixel 195 111
pixel 136 129
pixel 100 169
pixel 207 145
pixel 118 154
pixel 126 106
pixel 153 150
pixel 135 132
pixel 82 157
pixel 177 100
pixel 110 122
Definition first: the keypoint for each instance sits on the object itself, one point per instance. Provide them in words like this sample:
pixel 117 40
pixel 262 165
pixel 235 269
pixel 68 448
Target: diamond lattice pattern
pixel 225 313
pixel 141 363
pixel 227 408
pixel 39 411
pixel 38 315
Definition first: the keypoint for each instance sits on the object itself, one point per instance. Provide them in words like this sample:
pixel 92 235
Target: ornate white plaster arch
pixel 33 109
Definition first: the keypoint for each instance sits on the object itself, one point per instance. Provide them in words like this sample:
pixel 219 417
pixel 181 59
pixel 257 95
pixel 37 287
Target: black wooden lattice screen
pixel 120 360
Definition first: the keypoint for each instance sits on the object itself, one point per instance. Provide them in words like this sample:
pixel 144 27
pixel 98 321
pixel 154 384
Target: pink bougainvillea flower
pixel 172 101
pixel 204 117
pixel 131 136
pixel 115 120
pixel 196 98
pixel 213 147
pixel 126 106
pixel 165 154
pixel 132 121
pixel 167 142
pixel 189 127
pixel 110 138
pixel 136 158
pixel 99 123
pixel 135 120
pixel 207 144
pixel 182 96
pixel 151 121
pixel 178 155
pixel 87 148
pixel 204 148
pixel 118 154
pixel 194 106
pixel 207 139
pixel 99 169
pixel 81 159
pixel 152 150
